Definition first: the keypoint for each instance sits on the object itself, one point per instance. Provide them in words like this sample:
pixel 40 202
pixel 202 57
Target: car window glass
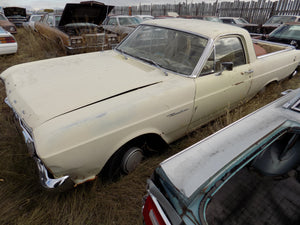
pixel 227 21
pixel 57 19
pixel 36 18
pixel 226 50
pixel 125 21
pixel 50 20
pixel 229 50
pixel 112 21
pixel 2 17
pixel 281 19
pixel 241 21
pixel 287 32
pixel 170 49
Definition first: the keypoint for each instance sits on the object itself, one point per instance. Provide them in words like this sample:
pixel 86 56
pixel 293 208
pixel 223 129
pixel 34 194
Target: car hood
pixel 42 90
pixel 84 13
pixel 14 11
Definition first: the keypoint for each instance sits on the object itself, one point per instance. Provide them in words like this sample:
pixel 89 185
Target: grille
pixel 94 40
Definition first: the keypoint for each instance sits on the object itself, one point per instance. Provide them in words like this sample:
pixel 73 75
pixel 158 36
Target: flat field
pixel 22 201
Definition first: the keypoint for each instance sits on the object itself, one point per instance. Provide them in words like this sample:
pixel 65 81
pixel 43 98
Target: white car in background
pixel 142 18
pixel 31 21
pixel 8 43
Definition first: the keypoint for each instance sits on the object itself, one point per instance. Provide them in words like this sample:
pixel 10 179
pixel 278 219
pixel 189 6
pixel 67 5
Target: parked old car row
pixel 88 26
pixel 127 102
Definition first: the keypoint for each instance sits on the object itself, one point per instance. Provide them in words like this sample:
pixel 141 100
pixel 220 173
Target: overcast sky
pixel 41 4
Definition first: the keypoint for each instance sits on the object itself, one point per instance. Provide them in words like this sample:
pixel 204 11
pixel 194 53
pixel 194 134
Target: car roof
pixel 193 167
pixel 201 27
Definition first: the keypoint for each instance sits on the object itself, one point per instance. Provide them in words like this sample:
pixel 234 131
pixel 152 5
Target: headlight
pixel 76 41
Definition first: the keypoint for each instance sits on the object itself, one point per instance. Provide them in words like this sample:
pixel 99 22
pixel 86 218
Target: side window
pixel 229 49
pixel 50 20
pixel 44 20
pixel 112 21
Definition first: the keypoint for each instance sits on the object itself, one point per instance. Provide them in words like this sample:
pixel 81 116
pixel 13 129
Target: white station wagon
pixel 102 112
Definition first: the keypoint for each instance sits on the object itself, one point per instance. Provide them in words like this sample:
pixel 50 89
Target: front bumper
pixel 47 180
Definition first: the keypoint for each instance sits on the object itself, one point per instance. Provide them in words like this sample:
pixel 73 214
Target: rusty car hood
pixel 14 11
pixel 84 13
pixel 42 90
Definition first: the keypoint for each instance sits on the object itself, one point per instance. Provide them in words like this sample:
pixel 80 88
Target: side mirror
pixel 225 66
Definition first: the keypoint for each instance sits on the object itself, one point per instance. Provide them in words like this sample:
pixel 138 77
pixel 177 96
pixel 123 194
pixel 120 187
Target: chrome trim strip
pixel 25 133
pixel 7 102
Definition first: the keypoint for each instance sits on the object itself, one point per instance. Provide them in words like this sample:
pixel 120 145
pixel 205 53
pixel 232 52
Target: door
pixel 221 87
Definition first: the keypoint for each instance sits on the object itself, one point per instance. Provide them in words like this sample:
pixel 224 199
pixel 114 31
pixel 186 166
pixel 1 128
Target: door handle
pixel 247 72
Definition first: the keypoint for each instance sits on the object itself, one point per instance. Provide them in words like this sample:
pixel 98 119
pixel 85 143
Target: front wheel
pixel 123 162
pixel 131 159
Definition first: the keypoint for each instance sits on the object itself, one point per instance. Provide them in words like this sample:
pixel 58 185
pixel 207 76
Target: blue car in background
pixel 246 173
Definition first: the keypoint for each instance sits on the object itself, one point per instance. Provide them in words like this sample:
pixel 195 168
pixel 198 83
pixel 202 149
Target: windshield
pixel 281 19
pixel 241 21
pixel 213 19
pixel 57 19
pixel 126 21
pixel 36 18
pixel 173 50
pixel 2 17
pixel 287 32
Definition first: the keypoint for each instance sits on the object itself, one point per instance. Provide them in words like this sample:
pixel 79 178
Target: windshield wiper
pixel 153 63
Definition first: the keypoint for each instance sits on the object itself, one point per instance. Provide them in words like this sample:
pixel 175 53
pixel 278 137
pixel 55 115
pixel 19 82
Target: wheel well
pixel 149 143
pixel 152 142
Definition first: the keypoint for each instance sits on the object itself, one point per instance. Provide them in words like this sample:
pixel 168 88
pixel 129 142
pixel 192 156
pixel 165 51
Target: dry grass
pixel 23 202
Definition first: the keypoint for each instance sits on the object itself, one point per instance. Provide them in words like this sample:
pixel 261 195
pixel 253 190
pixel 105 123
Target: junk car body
pixel 32 19
pixel 120 25
pixel 241 22
pixel 275 21
pixel 7 25
pixel 103 111
pixel 246 173
pixel 77 30
pixel 288 33
pixel 8 43
pixel 16 15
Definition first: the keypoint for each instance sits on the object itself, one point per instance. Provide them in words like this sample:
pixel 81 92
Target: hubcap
pixel 131 159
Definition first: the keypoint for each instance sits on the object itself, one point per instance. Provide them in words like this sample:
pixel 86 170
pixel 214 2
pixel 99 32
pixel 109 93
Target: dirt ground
pixel 22 201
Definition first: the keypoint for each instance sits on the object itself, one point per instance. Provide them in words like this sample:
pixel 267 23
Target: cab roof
pixel 201 27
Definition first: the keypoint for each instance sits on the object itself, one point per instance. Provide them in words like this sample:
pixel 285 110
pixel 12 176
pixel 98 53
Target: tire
pixel 123 162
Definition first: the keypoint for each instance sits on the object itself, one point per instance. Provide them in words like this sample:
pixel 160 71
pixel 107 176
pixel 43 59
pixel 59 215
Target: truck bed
pixel 263 48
